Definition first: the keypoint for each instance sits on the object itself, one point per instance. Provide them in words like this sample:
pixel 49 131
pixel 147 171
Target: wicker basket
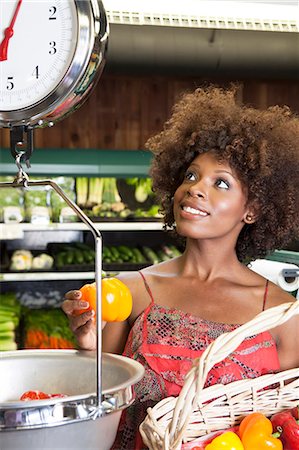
pixel 198 411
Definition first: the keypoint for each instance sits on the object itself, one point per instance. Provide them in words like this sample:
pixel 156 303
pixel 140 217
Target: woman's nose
pixel 197 189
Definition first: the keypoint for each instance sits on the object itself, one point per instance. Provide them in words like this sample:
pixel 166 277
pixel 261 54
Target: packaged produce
pixel 21 260
pixel 42 262
pixel 37 204
pixel 116 299
pixel 60 212
pixel 11 204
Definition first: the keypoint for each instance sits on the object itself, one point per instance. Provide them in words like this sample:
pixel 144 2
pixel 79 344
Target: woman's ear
pixel 249 218
pixel 251 215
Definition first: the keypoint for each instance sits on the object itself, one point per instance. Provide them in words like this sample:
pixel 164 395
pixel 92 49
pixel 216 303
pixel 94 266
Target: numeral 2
pixel 52 12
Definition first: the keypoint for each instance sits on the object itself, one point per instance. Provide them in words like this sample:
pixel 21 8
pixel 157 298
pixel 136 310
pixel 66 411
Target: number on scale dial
pixel 37 44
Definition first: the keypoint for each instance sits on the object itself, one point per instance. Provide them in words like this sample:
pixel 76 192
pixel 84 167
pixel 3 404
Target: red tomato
pixel 34 395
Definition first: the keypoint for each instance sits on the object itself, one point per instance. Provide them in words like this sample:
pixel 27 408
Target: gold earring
pixel 249 218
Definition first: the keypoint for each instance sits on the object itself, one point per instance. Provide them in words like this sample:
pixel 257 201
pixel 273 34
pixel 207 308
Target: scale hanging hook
pixel 21 143
pixel 21 147
pixel 21 177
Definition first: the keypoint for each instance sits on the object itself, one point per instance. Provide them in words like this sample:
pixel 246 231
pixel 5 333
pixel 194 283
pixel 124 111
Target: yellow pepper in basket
pixel 226 441
pixel 256 433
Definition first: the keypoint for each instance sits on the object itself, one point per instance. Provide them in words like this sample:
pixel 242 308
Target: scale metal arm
pixel 22 181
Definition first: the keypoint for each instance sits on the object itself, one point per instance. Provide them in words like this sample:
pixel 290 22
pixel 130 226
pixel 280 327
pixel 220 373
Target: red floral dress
pixel 166 341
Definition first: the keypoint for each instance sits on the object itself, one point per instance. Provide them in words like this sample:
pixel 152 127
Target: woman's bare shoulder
pixel 141 298
pixel 276 296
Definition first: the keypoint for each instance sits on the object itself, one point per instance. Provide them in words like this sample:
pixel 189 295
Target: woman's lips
pixel 194 211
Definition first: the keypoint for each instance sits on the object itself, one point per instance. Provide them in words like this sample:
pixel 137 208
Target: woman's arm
pixel 288 343
pixel 115 336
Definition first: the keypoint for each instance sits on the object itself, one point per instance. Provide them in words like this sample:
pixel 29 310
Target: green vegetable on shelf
pixel 81 190
pixel 10 310
pixel 150 255
pixel 143 188
pixel 111 195
pixel 95 191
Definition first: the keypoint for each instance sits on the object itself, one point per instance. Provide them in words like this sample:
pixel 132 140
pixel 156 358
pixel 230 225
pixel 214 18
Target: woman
pixel 226 177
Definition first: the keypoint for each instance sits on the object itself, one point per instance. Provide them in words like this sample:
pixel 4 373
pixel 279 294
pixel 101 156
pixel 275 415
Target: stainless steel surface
pixel 35 424
pixel 92 435
pixel 84 71
pixel 73 422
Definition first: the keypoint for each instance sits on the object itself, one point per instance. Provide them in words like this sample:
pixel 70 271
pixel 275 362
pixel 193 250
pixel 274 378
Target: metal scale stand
pixel 21 147
pixel 88 416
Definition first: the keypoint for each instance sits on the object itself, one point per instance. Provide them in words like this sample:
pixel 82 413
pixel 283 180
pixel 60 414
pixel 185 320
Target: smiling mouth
pixel 194 211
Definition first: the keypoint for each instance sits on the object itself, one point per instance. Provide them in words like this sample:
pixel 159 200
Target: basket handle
pixel 219 349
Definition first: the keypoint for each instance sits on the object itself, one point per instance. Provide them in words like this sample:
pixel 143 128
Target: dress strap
pixel 147 287
pixel 265 295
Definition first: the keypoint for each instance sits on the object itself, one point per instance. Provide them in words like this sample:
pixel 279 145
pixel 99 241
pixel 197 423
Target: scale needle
pixel 8 33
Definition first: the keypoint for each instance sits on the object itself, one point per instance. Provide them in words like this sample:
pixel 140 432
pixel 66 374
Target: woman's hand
pixel 82 325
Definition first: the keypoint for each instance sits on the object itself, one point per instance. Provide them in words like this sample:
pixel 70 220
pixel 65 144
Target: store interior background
pixel 149 67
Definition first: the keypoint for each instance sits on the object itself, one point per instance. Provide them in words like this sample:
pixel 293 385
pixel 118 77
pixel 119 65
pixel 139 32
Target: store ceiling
pixel 250 39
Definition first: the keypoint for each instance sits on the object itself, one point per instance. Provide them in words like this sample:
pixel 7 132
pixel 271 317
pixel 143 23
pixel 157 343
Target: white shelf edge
pixel 8 231
pixel 49 276
pixel 46 276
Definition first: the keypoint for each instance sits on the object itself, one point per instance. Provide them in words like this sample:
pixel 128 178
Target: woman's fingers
pixel 81 324
pixel 77 322
pixel 70 306
pixel 84 329
pixel 73 295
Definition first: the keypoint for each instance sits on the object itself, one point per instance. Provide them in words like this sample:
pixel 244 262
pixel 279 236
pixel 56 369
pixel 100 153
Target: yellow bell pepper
pixel 116 299
pixel 226 441
pixel 256 433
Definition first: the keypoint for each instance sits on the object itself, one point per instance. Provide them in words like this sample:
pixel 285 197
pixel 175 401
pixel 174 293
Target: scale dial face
pixel 38 40
pixel 52 53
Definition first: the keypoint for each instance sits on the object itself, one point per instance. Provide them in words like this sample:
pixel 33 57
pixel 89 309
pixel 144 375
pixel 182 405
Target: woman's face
pixel 210 202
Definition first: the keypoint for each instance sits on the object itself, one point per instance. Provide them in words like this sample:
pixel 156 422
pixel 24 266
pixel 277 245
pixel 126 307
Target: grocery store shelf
pixel 46 276
pixel 16 231
pixel 77 162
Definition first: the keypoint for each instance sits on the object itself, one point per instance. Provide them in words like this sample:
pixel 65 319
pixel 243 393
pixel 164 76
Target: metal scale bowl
pixel 97 386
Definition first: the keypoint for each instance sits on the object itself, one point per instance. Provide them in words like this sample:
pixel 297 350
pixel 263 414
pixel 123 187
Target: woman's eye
pixel 222 184
pixel 189 176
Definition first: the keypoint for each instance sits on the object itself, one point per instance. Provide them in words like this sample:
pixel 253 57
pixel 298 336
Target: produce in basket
pixel 256 433
pixel 288 428
pixel 226 441
pixel 116 299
